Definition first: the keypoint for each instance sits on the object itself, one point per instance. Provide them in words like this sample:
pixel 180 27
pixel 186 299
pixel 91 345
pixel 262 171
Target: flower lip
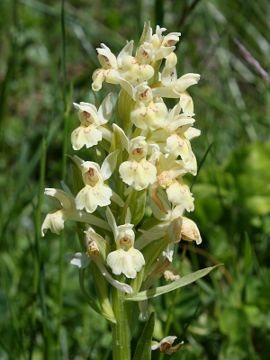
pixel 126 262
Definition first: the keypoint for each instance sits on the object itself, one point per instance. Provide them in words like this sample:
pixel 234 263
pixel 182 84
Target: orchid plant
pixel 130 202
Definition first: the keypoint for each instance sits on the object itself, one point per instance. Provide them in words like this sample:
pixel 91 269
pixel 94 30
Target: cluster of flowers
pixel 146 149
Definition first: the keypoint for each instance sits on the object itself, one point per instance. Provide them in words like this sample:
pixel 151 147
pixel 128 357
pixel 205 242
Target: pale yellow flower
pixel 138 172
pixel 148 113
pixel 169 177
pixel 95 192
pixel 172 87
pixel 55 220
pixel 91 129
pixel 124 66
pixel 174 138
pixel 161 46
pixel 166 345
pixel 179 194
pixel 190 231
pixel 178 144
pixel 94 242
pixel 134 72
pixel 126 259
pixel 109 68
pixel 180 227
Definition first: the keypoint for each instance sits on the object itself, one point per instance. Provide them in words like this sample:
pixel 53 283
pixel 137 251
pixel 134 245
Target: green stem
pixel 121 330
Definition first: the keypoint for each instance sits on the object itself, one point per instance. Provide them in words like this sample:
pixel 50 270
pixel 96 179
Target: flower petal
pixel 85 136
pixel 179 194
pixel 105 109
pixel 86 200
pixel 126 262
pixel 106 58
pixel 126 51
pixel 90 197
pixel 185 82
pixel 103 194
pixel 192 132
pixel 178 145
pixel 138 174
pixel 152 116
pixel 54 222
pixel 117 284
pixel 190 231
pixel 79 260
pixel 109 165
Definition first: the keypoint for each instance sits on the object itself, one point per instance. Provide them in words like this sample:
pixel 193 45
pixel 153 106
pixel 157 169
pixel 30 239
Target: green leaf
pixel 183 281
pixel 137 206
pixel 111 220
pixel 101 286
pixel 152 251
pixel 76 175
pixel 91 301
pixel 143 348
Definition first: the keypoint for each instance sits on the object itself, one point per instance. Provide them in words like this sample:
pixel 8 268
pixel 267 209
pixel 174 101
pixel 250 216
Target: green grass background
pixel 47 56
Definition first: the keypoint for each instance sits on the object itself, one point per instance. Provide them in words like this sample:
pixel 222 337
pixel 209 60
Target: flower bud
pixel 190 231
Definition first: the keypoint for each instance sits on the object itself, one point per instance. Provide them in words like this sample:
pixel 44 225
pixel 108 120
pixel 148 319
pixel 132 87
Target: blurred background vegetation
pixel 47 57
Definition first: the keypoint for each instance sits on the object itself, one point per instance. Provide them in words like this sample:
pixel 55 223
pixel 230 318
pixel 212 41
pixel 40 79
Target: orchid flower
pixel 172 87
pixel 166 345
pixel 95 192
pixel 138 171
pixel 55 220
pixel 148 113
pixel 82 260
pixel 124 66
pixel 91 129
pixel 174 138
pixel 125 259
pixel 161 45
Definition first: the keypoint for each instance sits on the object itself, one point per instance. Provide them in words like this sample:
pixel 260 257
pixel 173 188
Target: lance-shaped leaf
pixel 102 290
pixel 143 348
pixel 91 301
pixel 111 220
pixel 154 233
pixel 117 199
pixel 152 252
pixel 183 281
pixel 136 205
